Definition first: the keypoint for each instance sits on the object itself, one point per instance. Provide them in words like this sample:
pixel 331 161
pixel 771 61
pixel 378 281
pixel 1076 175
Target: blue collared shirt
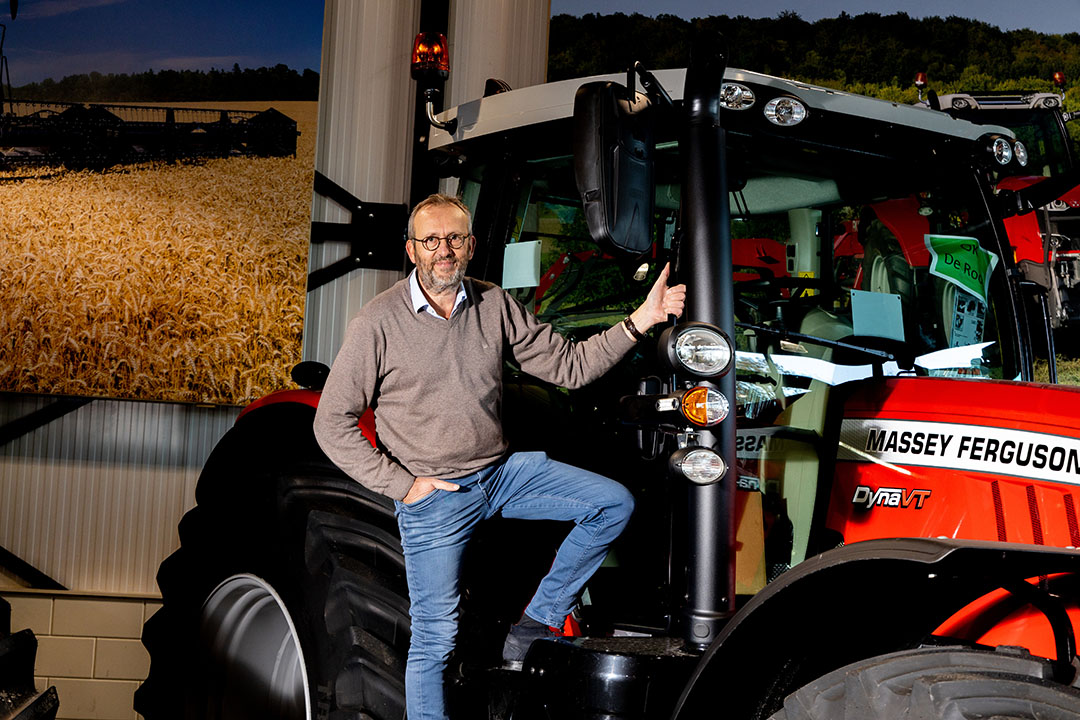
pixel 420 302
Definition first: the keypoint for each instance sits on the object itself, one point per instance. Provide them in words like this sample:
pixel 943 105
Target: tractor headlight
pixel 785 111
pixel 1021 153
pixel 699 465
pixel 734 96
pixel 1002 151
pixel 696 348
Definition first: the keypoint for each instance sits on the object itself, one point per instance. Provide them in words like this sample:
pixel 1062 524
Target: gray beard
pixel 435 286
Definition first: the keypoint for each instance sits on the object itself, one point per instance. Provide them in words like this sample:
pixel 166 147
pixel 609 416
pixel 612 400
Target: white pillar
pixel 496 38
pixel 364 144
pixel 365 118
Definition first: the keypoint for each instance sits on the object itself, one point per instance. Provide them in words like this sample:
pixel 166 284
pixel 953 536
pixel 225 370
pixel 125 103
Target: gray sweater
pixel 436 385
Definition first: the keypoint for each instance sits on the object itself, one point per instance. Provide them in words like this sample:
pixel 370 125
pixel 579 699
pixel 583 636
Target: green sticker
pixel 962 262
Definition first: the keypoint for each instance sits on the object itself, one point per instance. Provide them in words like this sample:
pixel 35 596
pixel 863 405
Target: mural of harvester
pixel 81 135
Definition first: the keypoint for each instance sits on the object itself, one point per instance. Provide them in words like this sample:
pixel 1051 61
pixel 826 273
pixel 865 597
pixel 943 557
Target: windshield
pixel 915 275
pixel 834 266
pixel 552 265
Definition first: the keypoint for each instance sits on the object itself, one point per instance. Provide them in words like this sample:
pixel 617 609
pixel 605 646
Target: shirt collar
pixel 420 303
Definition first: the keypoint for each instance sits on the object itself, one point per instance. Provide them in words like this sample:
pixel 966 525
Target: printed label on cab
pixel 961 261
pixel 969 320
pixel 891 497
pixel 971 448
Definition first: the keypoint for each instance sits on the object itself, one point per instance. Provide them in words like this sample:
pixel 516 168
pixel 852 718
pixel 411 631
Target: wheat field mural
pixel 176 282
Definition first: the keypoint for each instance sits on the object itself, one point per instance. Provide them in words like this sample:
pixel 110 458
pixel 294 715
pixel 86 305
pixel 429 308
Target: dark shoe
pixel 519 639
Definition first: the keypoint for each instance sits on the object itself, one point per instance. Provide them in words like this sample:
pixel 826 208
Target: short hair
pixel 439 200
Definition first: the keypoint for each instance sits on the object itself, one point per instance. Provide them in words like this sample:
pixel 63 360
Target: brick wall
pixel 88 647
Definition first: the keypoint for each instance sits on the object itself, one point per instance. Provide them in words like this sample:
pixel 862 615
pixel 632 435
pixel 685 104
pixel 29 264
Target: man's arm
pixel 348 393
pixel 547 355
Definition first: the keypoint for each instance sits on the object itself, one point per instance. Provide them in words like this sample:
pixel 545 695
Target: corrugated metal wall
pixel 494 38
pixel 364 145
pixel 93 499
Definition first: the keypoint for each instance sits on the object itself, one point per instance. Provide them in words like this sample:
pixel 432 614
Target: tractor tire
pixel 287 597
pixel 947 682
pixel 928 302
pixel 885 269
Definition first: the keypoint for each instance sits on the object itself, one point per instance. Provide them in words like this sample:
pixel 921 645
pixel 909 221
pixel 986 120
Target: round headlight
pixel 704 406
pixel 1002 151
pixel 785 111
pixel 734 96
pixel 702 350
pixel 701 466
pixel 1021 153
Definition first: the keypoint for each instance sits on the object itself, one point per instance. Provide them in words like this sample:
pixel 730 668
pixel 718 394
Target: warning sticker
pixel 960 260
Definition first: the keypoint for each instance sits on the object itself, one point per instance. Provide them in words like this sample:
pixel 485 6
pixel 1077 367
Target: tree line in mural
pixel 870 54
pixel 266 83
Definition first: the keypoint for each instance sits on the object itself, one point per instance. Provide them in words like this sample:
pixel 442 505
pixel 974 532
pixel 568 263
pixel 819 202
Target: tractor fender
pixel 849 604
pixel 311 399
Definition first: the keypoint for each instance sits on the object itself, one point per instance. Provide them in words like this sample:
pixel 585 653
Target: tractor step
pixel 19 698
pixel 628 677
pixel 42 706
pixel 17 655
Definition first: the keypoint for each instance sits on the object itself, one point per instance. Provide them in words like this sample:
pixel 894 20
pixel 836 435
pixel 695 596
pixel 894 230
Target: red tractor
pixel 1046 243
pixel 852 498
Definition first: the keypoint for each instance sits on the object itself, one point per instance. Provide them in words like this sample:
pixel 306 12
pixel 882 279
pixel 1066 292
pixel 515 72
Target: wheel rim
pixel 948 311
pixel 880 280
pixel 252 665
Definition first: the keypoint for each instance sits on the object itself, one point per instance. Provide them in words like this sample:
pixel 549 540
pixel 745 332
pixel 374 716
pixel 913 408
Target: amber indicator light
pixel 695 406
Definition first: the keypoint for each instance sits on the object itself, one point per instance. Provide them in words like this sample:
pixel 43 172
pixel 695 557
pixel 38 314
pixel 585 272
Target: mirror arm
pixel 429 107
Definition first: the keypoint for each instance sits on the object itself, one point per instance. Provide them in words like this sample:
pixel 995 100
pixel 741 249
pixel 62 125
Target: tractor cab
pixel 865 243
pixel 1037 118
pixel 1045 244
pixel 853 305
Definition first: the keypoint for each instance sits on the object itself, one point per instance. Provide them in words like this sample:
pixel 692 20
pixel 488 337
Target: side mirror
pixel 613 164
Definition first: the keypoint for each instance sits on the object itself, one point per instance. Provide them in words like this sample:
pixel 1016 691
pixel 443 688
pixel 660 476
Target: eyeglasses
pixel 432 243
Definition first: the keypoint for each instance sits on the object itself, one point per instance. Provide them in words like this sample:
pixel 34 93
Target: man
pixel 427 355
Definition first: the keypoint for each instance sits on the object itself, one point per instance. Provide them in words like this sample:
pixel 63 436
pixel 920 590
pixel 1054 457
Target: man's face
pixel 440 270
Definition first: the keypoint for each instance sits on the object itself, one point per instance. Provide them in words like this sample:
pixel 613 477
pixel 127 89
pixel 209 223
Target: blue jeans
pixel 435 529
